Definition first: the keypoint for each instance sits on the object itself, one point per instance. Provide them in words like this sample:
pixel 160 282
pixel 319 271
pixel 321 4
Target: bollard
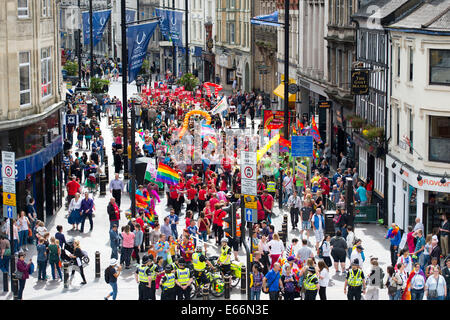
pixel 106 168
pixel 5 282
pixel 227 281
pixel 15 287
pixel 97 264
pixel 66 274
pixel 243 280
pixel 103 185
pixel 205 292
pixel 147 238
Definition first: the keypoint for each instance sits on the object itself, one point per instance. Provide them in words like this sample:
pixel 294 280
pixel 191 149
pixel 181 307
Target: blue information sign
pixel 302 146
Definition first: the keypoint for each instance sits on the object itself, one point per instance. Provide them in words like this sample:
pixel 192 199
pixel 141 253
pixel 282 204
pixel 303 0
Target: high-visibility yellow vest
pixel 183 276
pixel 170 281
pixel 271 186
pixel 308 284
pixel 198 265
pixel 355 280
pixel 142 273
pixel 224 258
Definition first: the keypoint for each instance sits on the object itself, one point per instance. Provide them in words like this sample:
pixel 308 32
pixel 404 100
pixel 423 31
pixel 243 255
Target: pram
pixel 69 247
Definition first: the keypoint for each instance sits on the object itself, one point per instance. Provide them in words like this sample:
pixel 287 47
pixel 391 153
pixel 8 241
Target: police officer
pixel 311 284
pixel 224 260
pixel 183 281
pixel 271 186
pixel 168 284
pixel 145 275
pixel 199 262
pixel 355 282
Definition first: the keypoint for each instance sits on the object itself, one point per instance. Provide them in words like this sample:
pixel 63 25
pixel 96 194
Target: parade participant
pixel 289 283
pixel 394 235
pixel 183 281
pixel 267 203
pixel 355 282
pixel 224 260
pixel 173 221
pixel 167 284
pixel 186 248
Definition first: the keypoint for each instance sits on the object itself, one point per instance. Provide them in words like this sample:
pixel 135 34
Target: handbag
pixel 7 252
pixel 268 287
pixel 433 293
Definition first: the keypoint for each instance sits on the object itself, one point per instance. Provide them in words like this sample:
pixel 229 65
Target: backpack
pixel 107 275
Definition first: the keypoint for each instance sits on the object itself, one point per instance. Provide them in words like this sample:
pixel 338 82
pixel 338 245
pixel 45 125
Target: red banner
pixel 274 119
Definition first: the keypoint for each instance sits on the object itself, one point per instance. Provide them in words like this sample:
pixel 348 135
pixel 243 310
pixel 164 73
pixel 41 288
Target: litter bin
pixel 329 224
pixel 90 109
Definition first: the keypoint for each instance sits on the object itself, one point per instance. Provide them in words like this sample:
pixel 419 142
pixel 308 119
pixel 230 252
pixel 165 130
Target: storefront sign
pixel 360 82
pixel 324 104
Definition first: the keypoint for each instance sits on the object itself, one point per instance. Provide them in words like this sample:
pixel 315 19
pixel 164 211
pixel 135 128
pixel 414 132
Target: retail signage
pixel 360 82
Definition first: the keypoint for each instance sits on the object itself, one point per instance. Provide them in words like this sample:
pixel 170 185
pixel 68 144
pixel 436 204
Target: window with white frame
pixel 379 176
pixel 362 163
pixel 46 72
pixel 22 8
pixel 25 78
pixel 46 6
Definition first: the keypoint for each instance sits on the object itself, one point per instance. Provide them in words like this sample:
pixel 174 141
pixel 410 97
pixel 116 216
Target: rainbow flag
pixel 167 175
pixel 315 131
pixel 212 140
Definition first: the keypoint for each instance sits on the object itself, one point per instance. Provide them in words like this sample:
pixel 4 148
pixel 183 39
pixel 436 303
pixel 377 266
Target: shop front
pixel 39 151
pixel 409 197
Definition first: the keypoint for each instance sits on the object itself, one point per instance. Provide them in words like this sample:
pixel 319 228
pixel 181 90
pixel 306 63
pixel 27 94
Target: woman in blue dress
pixel 75 212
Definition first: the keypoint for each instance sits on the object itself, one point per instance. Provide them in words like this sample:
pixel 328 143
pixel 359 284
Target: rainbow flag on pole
pixel 315 131
pixel 167 175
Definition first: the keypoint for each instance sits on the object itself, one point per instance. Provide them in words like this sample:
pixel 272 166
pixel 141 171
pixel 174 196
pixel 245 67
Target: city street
pixel 98 240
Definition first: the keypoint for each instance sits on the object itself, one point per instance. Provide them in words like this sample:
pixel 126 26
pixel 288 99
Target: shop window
pixel 439 140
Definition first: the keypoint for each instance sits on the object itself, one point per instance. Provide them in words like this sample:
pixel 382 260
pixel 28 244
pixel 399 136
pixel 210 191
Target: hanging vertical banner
pixel 129 15
pixel 170 25
pixel 99 20
pixel 138 37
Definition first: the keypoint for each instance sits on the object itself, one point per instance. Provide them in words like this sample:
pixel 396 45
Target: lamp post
pixel 286 69
pixel 124 87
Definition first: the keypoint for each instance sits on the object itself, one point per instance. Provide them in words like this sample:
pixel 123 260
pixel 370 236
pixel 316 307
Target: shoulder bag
pixel 433 293
pixel 268 287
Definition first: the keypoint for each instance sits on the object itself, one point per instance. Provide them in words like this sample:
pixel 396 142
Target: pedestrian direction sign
pixel 10 212
pixel 250 215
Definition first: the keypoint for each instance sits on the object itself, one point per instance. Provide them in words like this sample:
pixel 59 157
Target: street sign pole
pixel 9 199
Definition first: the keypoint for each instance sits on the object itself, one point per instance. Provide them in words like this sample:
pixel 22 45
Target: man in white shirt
pixel 295 204
pixel 418 226
pixel 304 252
pixel 287 187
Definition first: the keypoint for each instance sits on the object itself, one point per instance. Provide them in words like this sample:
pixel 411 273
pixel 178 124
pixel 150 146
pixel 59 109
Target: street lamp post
pixel 124 87
pixel 91 40
pixel 286 69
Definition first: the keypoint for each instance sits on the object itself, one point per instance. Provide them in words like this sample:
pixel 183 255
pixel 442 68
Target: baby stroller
pixel 69 247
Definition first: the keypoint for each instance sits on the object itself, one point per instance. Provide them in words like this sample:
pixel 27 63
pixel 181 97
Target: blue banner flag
pixel 266 20
pixel 170 25
pixel 99 21
pixel 129 15
pixel 138 37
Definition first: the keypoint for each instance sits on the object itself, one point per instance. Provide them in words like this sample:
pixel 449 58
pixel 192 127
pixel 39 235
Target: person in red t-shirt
pixel 174 199
pixel 212 202
pixel 202 198
pixel 260 187
pixel 192 202
pixel 223 183
pixel 324 185
pixel 72 188
pixel 218 217
pixel 226 165
pixel 267 202
pixel 208 174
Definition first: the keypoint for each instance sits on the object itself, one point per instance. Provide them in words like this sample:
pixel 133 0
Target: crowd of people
pixel 199 202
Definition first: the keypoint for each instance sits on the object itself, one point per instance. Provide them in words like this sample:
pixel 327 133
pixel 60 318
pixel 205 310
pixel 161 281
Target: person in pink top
pixel 127 246
pixel 410 240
